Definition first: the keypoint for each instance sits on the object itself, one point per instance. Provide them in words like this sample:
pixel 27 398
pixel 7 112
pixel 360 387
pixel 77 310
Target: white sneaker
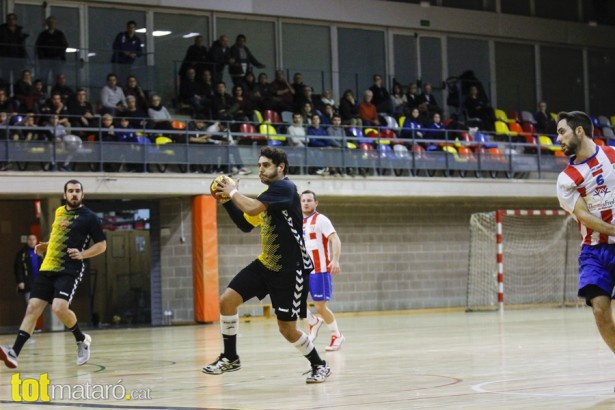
pixel 322 171
pixel 315 328
pixel 336 343
pixel 83 350
pixel 8 356
pixel 318 374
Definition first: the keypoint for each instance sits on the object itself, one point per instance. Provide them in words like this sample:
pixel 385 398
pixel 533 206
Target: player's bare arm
pixel 248 205
pixel 94 250
pixel 591 221
pixel 336 248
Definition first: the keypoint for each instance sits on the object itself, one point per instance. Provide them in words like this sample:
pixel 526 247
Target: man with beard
pixel 586 189
pixel 62 270
pixel 281 270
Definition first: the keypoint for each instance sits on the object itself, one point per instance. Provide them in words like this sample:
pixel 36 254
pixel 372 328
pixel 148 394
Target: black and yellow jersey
pixel 282 245
pixel 71 229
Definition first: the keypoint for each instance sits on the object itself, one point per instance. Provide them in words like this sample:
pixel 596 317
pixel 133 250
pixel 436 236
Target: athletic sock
pixel 306 347
pixel 228 327
pixel 20 340
pixel 312 320
pixel 334 329
pixel 79 336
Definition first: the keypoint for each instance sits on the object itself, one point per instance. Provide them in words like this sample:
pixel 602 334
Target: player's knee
pixel 602 317
pixel 58 309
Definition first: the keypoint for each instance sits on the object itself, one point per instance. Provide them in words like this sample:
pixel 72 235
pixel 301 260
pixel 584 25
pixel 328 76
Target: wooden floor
pixel 525 359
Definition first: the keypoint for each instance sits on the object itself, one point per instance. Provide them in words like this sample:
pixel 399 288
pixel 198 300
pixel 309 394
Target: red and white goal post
pixel 523 257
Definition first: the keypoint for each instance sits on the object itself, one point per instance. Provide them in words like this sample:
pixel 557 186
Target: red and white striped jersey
pixel 316 231
pixel 593 180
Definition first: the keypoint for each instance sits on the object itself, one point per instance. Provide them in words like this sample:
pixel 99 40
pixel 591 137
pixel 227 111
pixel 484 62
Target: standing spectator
pixel 51 50
pixel 381 98
pixel 12 45
pixel 283 92
pixel 81 111
pixel 26 267
pixel 197 57
pixel 60 86
pixel 220 56
pixel 132 87
pixel 319 235
pixel 127 47
pixel 278 271
pixel 242 61
pixel 367 110
pixel 112 97
pixel 349 111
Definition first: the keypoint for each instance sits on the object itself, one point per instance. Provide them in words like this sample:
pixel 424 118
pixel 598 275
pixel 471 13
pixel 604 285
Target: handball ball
pixel 213 188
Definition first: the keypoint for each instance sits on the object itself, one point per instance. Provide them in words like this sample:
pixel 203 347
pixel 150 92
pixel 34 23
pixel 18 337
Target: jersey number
pixel 600 179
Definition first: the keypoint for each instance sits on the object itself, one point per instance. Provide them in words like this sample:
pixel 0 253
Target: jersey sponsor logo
pixel 601 191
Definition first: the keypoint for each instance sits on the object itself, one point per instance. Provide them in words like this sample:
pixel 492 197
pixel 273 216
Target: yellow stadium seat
pixel 270 132
pixel 501 115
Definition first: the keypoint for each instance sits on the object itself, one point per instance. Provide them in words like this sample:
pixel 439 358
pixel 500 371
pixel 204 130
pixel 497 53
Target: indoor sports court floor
pixel 550 358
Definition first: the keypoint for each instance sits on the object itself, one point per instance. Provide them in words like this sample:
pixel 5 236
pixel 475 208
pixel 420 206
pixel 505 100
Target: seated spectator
pixel 326 116
pixel 264 93
pixel 6 104
pixel 412 98
pixel 60 87
pixel 476 107
pixel 245 109
pixel 283 92
pixel 158 113
pixel 237 167
pixel 307 111
pixel 59 133
pixel 136 116
pixel 306 97
pixel 380 95
pixel 336 131
pixel 81 112
pixel 55 106
pixel 412 128
pixel 349 111
pixel 327 98
pixel 132 87
pixel 249 86
pixel 398 101
pixel 242 61
pixel 23 91
pixel 314 131
pixel 544 123
pixel 124 132
pixel 112 97
pixel 31 130
pixel 435 130
pixel 222 104
pixel 197 133
pixel 197 57
pixel 368 111
pixel 297 87
pixel 40 95
pixel 296 131
pixel 107 130
pixel 191 91
pixel 428 98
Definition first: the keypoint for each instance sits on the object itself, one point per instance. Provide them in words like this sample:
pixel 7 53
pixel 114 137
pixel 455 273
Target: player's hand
pixel 75 253
pixel 334 267
pixel 226 186
pixel 41 248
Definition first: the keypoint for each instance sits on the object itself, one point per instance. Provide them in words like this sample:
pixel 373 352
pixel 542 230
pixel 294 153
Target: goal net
pixel 522 257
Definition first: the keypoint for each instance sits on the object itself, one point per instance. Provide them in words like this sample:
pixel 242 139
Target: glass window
pixel 466 55
pixel 562 83
pixel 104 24
pixel 356 66
pixel 406 67
pixel 557 9
pixel 515 77
pixel 486 5
pixel 315 66
pixel 260 39
pixel 431 65
pixel 32 19
pixel 601 82
pixel 173 34
pixel 519 7
pixel 67 18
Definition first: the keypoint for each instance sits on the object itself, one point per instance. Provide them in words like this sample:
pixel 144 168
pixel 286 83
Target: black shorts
pixel 288 289
pixel 55 285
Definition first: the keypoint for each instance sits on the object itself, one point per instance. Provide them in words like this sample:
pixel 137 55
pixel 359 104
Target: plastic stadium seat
pixel 554 116
pixel 271 133
pixel 527 116
pixel 401 120
pixel 465 153
pixel 514 115
pixel 501 128
pixel 482 140
pixel 401 151
pixel 161 140
pixel 515 127
pixel 547 142
pixel 604 121
pixel 607 133
pixel 597 132
pixel 250 133
pixel 271 116
pixel 178 125
pixel 391 122
pixel 257 117
pixel 287 117
pixel 501 115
